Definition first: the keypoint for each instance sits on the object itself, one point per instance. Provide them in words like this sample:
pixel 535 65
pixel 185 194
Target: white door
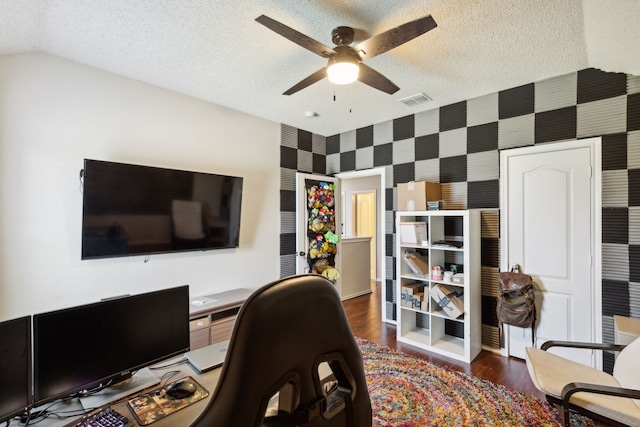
pixel 550 220
pixel 302 219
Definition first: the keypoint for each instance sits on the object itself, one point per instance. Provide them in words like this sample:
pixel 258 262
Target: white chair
pixel 583 389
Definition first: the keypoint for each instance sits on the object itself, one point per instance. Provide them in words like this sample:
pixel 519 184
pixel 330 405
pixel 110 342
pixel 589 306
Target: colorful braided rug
pixel 407 391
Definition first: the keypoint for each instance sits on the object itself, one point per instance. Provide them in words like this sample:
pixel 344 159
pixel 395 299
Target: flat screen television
pixel 141 210
pixel 83 347
pixel 15 367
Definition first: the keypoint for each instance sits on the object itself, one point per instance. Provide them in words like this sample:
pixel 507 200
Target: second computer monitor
pixel 15 367
pixel 78 348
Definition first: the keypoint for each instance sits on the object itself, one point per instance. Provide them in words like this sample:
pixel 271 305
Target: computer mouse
pixel 181 389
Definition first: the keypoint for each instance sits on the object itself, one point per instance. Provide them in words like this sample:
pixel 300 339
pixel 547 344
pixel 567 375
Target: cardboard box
pixel 445 297
pixel 425 305
pixel 406 300
pixel 408 291
pixel 413 233
pixel 414 195
pixel 417 300
pixel 412 288
pixel 417 262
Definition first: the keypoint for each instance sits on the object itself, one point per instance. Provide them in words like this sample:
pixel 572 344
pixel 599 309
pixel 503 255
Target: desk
pixel 183 417
pixel 211 317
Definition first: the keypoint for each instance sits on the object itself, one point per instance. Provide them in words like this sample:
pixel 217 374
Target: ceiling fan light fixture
pixel 343 70
pixel 344 60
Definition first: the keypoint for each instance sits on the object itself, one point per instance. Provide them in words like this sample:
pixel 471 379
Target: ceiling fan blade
pixel 313 78
pixel 394 37
pixel 296 37
pixel 371 77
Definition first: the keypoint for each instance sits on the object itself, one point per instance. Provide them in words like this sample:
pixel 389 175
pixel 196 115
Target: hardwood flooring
pixel 365 318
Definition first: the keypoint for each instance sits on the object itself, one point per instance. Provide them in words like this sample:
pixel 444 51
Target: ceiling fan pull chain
pixel 334 93
pixel 350 103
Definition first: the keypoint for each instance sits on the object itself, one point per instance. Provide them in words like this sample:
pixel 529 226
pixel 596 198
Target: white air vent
pixel 413 100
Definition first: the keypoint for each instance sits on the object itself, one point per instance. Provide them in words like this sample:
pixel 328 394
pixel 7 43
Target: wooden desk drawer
pixel 199 338
pixel 200 323
pixel 221 329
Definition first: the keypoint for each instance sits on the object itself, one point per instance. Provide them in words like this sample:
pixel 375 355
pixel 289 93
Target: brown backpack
pixel 516 300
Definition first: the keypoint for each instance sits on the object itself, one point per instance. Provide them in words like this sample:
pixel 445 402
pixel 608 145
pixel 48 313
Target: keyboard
pixel 101 417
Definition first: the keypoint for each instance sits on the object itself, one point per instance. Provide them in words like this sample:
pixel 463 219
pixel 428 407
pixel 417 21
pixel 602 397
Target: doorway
pixel 363 182
pixel 550 227
pixel 363 223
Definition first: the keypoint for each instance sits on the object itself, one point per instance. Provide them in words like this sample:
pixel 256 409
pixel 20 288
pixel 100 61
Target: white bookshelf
pixel 428 326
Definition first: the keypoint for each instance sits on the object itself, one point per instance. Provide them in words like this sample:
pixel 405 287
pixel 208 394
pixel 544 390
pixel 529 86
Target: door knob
pixel 302 253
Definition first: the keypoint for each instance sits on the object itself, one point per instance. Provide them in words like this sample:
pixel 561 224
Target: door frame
pixel 381 217
pixel 595 145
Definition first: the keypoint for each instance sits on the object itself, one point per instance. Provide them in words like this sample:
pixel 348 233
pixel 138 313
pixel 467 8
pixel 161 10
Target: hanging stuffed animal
pixel 314 250
pixel 323 268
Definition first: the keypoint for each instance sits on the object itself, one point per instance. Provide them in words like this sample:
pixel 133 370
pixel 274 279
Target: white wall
pixel 53 114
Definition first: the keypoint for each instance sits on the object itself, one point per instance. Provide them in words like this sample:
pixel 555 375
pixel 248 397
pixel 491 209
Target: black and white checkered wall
pixel 458 146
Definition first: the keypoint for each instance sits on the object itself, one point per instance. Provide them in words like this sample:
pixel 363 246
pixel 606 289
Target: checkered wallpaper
pixel 458 145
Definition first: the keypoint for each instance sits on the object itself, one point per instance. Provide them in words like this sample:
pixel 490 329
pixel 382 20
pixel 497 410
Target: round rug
pixel 407 391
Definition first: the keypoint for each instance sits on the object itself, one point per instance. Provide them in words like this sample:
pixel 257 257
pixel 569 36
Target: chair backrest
pixel 627 367
pixel 187 219
pixel 282 334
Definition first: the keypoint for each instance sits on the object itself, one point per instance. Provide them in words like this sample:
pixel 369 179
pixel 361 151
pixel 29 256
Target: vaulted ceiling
pixel 216 51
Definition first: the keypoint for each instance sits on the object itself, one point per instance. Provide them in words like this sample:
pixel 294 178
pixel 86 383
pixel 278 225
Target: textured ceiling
pixel 214 50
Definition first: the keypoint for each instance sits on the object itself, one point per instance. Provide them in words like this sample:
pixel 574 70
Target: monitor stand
pixel 141 380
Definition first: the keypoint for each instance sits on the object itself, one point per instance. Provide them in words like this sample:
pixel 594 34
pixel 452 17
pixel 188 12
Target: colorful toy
pixel 326 270
pixel 321 195
pixel 314 250
pixel 322 225
pixel 332 237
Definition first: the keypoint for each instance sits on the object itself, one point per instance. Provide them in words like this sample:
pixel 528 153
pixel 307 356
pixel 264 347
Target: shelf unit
pixel 426 325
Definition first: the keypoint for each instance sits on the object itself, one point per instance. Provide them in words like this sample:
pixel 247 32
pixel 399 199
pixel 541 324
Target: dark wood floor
pixel 365 317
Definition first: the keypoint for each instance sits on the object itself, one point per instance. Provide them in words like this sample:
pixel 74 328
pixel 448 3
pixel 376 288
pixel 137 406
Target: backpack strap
pixel 533 326
pixel 533 333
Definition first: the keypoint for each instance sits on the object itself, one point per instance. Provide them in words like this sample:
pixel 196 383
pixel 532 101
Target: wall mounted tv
pixel 141 210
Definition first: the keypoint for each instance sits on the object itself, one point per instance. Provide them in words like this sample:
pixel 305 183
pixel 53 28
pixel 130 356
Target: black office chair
pixel 282 335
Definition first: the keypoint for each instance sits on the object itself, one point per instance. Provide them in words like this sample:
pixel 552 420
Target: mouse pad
pixel 156 404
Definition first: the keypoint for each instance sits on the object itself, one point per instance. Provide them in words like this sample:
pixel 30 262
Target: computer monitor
pixel 84 347
pixel 15 367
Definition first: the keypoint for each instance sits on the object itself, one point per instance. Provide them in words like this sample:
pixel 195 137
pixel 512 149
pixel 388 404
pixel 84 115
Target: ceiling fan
pixel 345 61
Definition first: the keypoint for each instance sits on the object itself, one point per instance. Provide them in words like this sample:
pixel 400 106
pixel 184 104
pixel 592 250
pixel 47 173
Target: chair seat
pixel 550 373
